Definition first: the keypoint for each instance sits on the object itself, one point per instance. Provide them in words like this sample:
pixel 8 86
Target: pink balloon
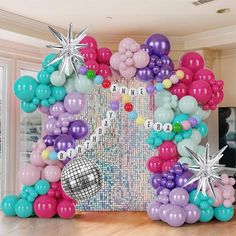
pixel 201 91
pixel 35 158
pixel 90 41
pixel 52 173
pixel 227 203
pixel 141 59
pixel 167 150
pixel 219 196
pixel 92 65
pixel 104 55
pixel 129 62
pixel 192 60
pixel 104 70
pixel 115 61
pixel 204 74
pixel 167 165
pixel 188 75
pixel 89 54
pixel 44 109
pixel 180 90
pixel 45 206
pixel 129 72
pixel 217 97
pixel 154 164
pixel 28 174
pixel 66 209
pixel 126 43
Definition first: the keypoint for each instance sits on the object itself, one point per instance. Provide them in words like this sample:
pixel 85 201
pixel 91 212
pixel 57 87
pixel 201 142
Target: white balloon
pixel 110 115
pixel 62 155
pixel 100 131
pixel 80 149
pixel 201 150
pixel 164 115
pixel 106 123
pixel 133 92
pixel 188 104
pixel 167 127
pixel 185 160
pixel 71 153
pixel 141 91
pixel 88 145
pixel 70 84
pixel 148 124
pixel 57 79
pixel 94 138
pixel 160 96
pixel 158 126
pixel 196 136
pixel 123 90
pixel 114 88
pixel 201 113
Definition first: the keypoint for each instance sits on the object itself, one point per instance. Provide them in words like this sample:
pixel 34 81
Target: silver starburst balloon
pixel 69 49
pixel 206 170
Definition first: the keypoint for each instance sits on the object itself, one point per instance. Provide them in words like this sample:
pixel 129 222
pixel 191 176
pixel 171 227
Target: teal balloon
pixel 45 103
pixel 8 205
pixel 164 115
pixel 188 104
pixel 36 101
pixel 43 91
pixel 50 69
pixel 222 213
pixel 70 84
pixel 52 100
pixel 193 199
pixel 203 129
pixel 28 107
pixel 42 186
pixel 43 77
pixel 166 135
pixel 179 118
pixel 206 215
pixel 58 93
pixel 24 88
pixel 84 85
pixel 49 58
pixel 24 208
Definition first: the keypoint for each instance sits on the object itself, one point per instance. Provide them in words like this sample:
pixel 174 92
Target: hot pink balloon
pixel 28 174
pixel 217 97
pixel 92 65
pixel 167 150
pixel 188 75
pixel 141 59
pixel 35 158
pixel 90 41
pixel 204 74
pixel 104 55
pixel 126 44
pixel 115 61
pixel 89 54
pixel 104 70
pixel 192 60
pixel 180 90
pixel 66 209
pixel 129 72
pixel 201 91
pixel 52 173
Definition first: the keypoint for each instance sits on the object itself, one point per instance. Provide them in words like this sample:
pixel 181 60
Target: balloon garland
pixel 184 97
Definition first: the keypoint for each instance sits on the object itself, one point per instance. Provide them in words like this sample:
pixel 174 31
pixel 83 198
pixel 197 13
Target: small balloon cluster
pixel 129 59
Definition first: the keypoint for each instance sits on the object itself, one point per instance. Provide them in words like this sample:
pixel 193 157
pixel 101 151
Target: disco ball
pixel 81 179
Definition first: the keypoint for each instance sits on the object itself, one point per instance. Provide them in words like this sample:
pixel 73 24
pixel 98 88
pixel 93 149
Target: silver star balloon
pixel 69 49
pixel 206 170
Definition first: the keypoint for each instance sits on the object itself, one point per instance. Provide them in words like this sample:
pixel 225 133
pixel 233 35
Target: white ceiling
pixel 119 17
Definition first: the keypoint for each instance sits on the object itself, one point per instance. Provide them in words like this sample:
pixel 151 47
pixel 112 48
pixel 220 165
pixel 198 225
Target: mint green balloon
pixel 57 78
pixel 223 213
pixel 203 129
pixel 28 107
pixel 24 88
pixel 42 186
pixel 186 143
pixel 160 96
pixel 201 150
pixel 67 70
pixel 164 115
pixel 188 104
pixel 84 85
pixel 206 215
pixel 201 113
pixel 43 77
pixel 196 136
pixel 70 84
pixel 58 93
pixel 8 205
pixel 43 91
pixel 185 160
pixel 24 208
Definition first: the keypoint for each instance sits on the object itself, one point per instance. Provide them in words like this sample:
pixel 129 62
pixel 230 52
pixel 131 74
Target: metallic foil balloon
pixel 81 179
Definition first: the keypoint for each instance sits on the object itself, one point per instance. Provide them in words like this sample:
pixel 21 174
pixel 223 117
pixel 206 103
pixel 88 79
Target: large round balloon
pixel 84 85
pixel 145 74
pixel 75 102
pixel 28 174
pixel 63 142
pixel 8 205
pixel 78 129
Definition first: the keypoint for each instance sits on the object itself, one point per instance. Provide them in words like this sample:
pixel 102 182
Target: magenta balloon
pixel 145 74
pixel 159 43
pixel 57 109
pixel 75 102
pixel 181 180
pixel 192 213
pixel 153 210
pixel 164 211
pixel 176 216
pixel 50 126
pixel 204 74
pixel 78 129
pixel 63 142
pixel 179 197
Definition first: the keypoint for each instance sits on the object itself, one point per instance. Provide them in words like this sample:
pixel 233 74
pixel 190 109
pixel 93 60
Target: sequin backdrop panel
pixel 121 154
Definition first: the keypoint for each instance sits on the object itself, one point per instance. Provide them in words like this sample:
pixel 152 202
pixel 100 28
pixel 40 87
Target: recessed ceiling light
pixel 223 10
pixel 109 17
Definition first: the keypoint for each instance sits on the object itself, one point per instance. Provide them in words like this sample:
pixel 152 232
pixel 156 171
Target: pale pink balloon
pixel 126 43
pixel 135 47
pixel 115 61
pixel 35 158
pixel 123 57
pixel 129 62
pixel 141 59
pixel 128 54
pixel 116 97
pixel 129 72
pixel 122 66
pixel 227 203
pixel 52 173
pixel 34 146
pixel 232 181
pixel 219 196
pixel 28 174
pixel 50 162
pixel 60 164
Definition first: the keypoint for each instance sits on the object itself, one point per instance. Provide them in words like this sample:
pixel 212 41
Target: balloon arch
pixel 185 179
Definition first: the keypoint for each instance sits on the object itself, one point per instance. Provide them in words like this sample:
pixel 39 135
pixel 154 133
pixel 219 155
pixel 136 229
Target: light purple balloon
pixel 164 211
pixel 44 109
pixel 192 213
pixel 75 102
pixel 176 216
pixel 150 89
pixel 57 109
pixel 50 126
pixel 63 142
pixel 179 197
pixel 181 180
pixel 163 199
pixel 153 210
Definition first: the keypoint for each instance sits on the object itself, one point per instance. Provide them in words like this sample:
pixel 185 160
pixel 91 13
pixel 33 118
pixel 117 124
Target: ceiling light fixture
pixel 223 10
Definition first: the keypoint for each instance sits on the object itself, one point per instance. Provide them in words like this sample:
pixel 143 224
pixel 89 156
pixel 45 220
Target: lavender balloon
pixel 78 129
pixel 57 109
pixel 192 213
pixel 44 109
pixel 176 216
pixel 49 140
pixel 144 74
pixel 50 126
pixel 181 180
pixel 63 142
pixel 159 44
pixel 153 210
pixel 75 102
pixel 164 211
pixel 179 197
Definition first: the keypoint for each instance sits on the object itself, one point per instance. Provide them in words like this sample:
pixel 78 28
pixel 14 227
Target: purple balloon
pixel 49 140
pixel 167 61
pixel 170 184
pixel 159 62
pixel 75 102
pixel 145 74
pixel 78 129
pixel 156 70
pixel 181 180
pixel 65 117
pixel 159 44
pixel 57 109
pixel 114 105
pixel 165 72
pixel 179 197
pixel 44 109
pixel 155 180
pixel 50 126
pixel 170 176
pixel 163 182
pixel 63 142
pixel 164 211
pixel 150 89
pixel 146 48
pixel 192 212
pixel 163 199
pixel 176 216
pixel 82 70
pixel 165 191
pixel 159 189
pixel 153 210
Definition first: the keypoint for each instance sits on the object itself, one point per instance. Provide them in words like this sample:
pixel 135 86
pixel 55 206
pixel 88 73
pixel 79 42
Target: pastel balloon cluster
pixel 129 58
pixel 160 66
pixel 96 59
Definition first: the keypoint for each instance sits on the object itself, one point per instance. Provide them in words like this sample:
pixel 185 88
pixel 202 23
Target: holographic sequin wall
pixel 121 154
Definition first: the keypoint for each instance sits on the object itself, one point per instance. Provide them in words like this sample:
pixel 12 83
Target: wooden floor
pixel 110 224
